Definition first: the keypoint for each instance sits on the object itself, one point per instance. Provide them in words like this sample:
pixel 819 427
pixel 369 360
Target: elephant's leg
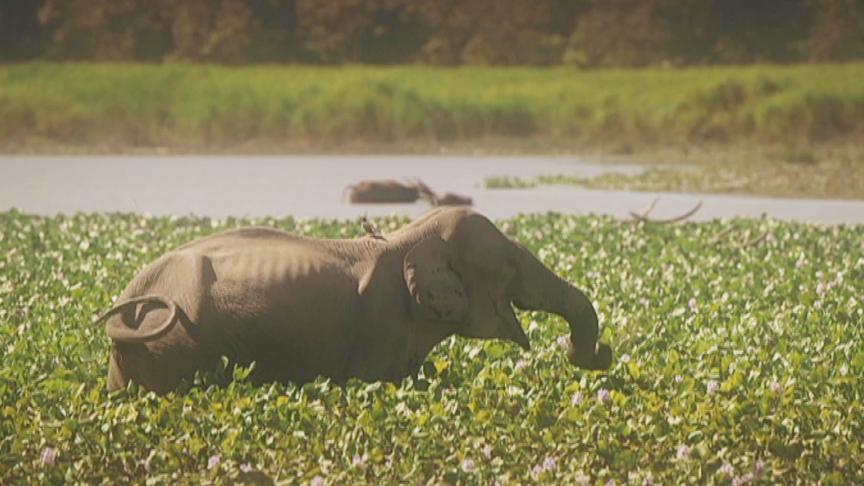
pixel 160 371
pixel 134 362
pixel 160 365
pixel 116 378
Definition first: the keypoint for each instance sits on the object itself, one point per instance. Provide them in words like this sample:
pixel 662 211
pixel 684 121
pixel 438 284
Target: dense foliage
pixel 193 107
pixel 735 363
pixel 576 32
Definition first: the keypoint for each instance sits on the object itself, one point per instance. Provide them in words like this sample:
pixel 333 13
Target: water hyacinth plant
pixel 786 404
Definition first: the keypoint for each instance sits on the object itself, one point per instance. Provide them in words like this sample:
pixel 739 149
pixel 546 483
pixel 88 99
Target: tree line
pixel 586 33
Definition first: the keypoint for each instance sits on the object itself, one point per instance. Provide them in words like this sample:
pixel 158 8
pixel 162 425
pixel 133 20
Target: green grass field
pixel 734 362
pixel 92 107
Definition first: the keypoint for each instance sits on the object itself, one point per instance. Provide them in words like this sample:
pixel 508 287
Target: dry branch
pixel 753 241
pixel 720 235
pixel 645 219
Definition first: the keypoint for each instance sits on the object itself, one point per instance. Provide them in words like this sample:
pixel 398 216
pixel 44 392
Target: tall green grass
pixel 177 104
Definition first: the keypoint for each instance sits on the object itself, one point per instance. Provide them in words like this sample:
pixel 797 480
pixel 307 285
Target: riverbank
pixel 185 108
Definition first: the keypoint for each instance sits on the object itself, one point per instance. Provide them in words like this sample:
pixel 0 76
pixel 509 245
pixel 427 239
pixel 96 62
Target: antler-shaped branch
pixel 720 236
pixel 645 219
pixel 754 241
pixel 424 191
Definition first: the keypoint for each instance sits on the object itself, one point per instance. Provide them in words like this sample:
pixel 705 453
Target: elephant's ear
pixel 437 291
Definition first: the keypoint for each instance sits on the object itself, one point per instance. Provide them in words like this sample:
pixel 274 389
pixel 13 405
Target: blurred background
pixel 520 105
pixel 585 33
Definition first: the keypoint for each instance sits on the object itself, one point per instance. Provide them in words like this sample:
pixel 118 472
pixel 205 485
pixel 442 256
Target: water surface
pixel 312 186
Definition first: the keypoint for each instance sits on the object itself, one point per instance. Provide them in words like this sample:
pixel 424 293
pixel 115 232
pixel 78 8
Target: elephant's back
pixel 241 236
pixel 271 277
pixel 244 272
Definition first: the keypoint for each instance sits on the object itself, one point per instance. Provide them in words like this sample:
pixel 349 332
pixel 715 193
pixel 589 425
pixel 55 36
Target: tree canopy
pixel 587 33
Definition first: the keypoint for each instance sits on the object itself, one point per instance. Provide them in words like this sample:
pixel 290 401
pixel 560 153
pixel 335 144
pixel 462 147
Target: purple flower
pixel 487 451
pixel 563 342
pixel 317 481
pixel 692 304
pixel 49 455
pixel 683 452
pixel 214 461
pixel 740 480
pixel 359 461
pixel 776 387
pixel 550 465
pixel 679 379
pixel 577 399
pixel 520 365
pixel 800 263
pixel 727 469
pixel 468 466
pixel 246 467
pixel 582 479
pixel 536 471
pixel 759 469
pixel 603 395
pixel 821 289
pixel 611 482
pixel 712 386
pixel 625 358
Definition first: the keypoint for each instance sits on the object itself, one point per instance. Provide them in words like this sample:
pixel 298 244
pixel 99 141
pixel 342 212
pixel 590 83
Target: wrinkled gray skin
pixel 369 308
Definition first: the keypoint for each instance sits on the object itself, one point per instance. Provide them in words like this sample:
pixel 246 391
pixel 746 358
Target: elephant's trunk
pixel 538 288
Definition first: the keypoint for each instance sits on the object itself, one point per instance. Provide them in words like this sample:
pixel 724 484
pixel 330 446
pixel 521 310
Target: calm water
pixel 312 186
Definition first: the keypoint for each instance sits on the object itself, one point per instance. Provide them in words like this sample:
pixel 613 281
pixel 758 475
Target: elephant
pixel 388 191
pixel 370 308
pixel 451 199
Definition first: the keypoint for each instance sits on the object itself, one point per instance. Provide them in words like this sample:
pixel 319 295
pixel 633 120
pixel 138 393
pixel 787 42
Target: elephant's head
pixel 468 274
pixel 437 291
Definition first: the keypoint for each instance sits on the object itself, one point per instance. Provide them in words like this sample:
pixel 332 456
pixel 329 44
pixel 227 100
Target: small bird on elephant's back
pixel 365 308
